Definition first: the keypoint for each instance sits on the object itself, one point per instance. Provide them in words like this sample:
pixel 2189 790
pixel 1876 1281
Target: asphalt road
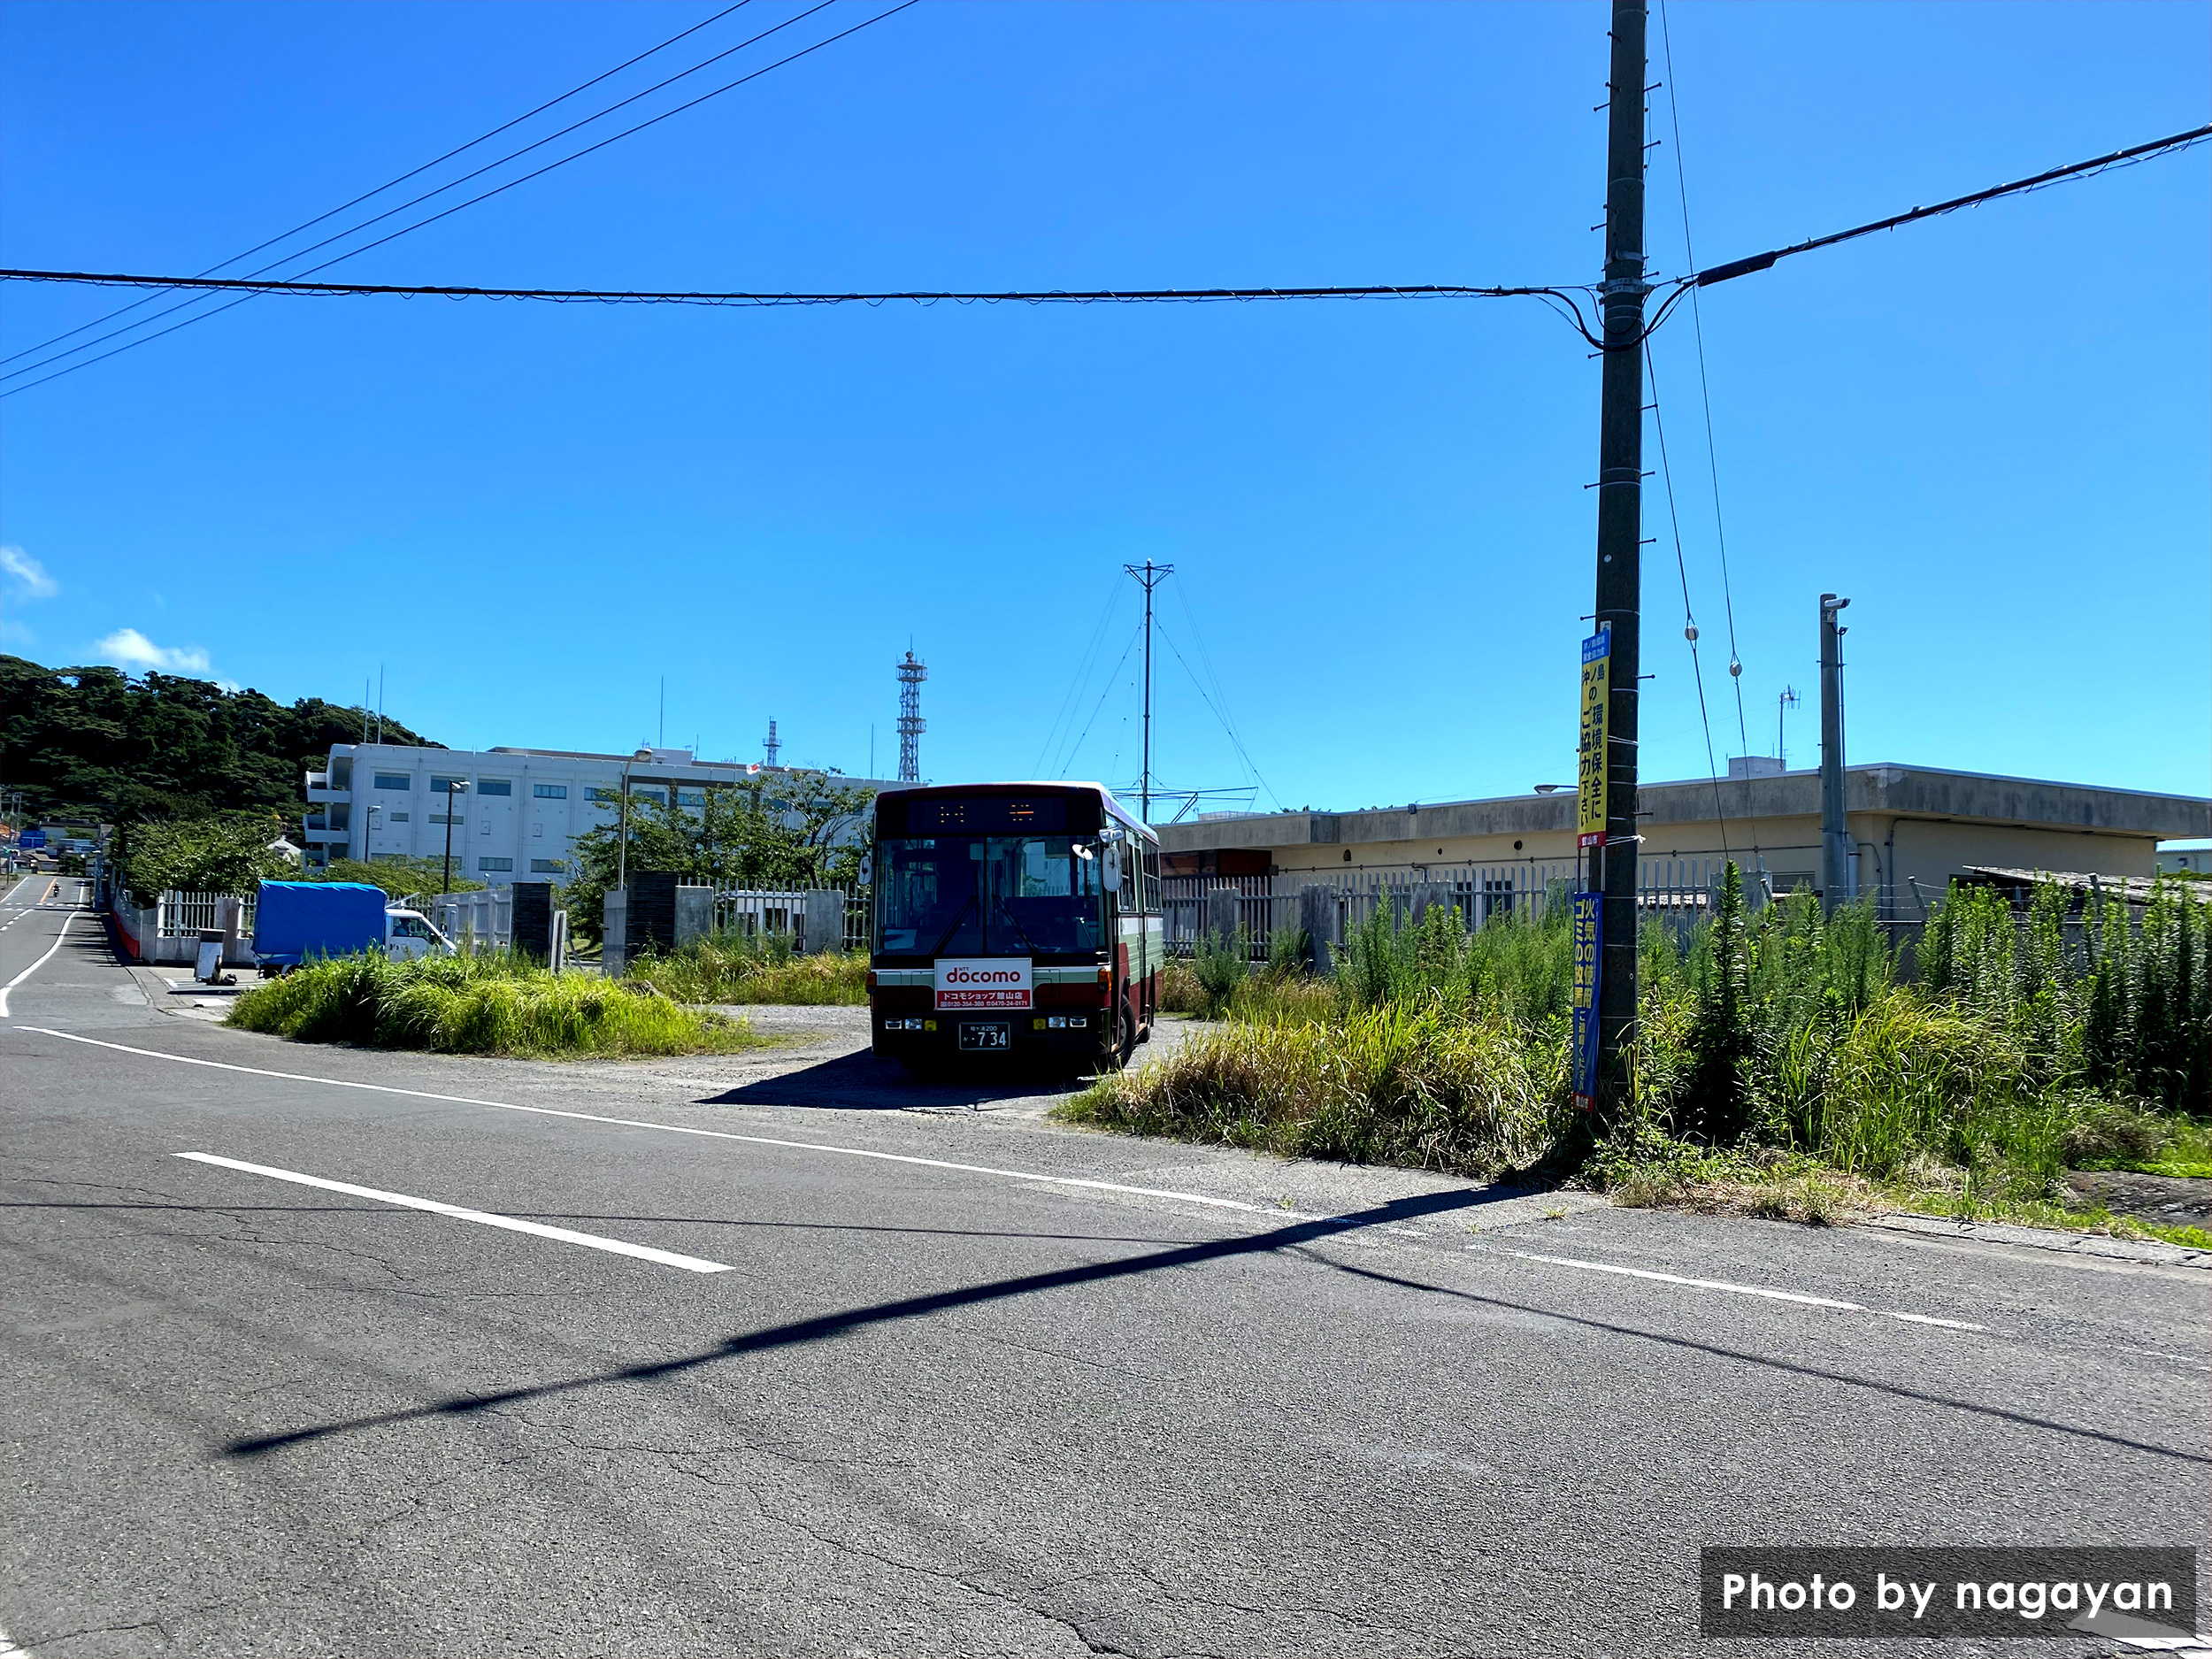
pixel 912 1371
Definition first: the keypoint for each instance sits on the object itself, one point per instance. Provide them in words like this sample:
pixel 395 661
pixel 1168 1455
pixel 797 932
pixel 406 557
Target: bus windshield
pixel 988 895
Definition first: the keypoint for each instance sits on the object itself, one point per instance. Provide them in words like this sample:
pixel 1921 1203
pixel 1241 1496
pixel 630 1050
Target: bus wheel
pixel 1126 1050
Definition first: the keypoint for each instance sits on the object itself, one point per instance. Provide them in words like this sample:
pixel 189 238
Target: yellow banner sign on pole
pixel 1597 704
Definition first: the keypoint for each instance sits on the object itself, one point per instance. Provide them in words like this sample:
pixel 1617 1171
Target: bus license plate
pixel 990 1036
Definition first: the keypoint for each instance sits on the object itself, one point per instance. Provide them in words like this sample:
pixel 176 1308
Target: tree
pixel 224 854
pixel 788 830
pixel 161 745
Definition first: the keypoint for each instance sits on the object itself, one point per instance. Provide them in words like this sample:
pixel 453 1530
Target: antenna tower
pixel 911 725
pixel 1148 576
pixel 773 746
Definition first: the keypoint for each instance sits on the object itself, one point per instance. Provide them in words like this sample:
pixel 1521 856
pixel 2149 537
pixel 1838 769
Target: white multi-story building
pixel 520 815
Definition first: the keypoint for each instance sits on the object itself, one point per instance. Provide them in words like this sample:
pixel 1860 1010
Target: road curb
pixel 2148 1252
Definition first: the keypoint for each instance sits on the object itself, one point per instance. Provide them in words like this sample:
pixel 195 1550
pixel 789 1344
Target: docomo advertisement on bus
pixel 983 982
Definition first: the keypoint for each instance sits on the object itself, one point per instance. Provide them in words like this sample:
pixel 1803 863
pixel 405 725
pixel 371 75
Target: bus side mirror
pixel 1113 869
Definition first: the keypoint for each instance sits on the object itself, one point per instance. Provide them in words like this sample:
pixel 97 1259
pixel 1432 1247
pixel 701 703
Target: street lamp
pixel 454 785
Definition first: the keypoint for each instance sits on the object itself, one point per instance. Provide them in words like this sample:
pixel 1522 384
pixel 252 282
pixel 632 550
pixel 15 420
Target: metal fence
pixel 1679 890
pixel 478 921
pixel 764 913
pixel 182 914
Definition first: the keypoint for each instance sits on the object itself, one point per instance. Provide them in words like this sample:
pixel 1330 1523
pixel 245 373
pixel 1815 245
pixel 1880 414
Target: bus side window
pixel 1129 875
pixel 1151 878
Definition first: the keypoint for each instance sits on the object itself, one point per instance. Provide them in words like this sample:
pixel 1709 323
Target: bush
pixel 1422 1089
pixel 1180 992
pixel 737 968
pixel 400 878
pixel 492 1003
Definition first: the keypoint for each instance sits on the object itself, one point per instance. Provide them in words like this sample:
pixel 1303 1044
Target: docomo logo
pixel 983 982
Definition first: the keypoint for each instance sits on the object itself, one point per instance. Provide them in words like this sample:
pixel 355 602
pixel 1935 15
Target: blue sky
pixel 1990 430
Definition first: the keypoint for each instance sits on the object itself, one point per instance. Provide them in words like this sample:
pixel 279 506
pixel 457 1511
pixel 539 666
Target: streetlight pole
pixel 458 786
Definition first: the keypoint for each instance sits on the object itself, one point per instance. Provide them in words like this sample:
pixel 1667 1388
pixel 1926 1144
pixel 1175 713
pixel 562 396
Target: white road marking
pixel 8 1650
pixel 1763 1291
pixel 1271 1211
pixel 35 967
pixel 590 1240
pixel 711 1134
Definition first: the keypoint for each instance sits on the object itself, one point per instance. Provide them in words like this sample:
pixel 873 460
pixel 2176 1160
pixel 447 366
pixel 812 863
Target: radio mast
pixel 911 725
pixel 1149 576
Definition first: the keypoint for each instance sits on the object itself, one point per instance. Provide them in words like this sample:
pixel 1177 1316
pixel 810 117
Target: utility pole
pixel 1151 576
pixel 1837 883
pixel 1620 533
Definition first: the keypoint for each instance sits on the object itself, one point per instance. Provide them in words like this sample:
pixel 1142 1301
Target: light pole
pixel 457 786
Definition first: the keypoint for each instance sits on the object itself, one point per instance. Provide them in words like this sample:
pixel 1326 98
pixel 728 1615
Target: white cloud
pixel 27 575
pixel 127 648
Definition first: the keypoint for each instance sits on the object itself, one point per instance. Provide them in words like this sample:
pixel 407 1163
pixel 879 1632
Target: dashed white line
pixel 61 935
pixel 712 1134
pixel 1760 1291
pixel 485 1218
pixel 1765 1292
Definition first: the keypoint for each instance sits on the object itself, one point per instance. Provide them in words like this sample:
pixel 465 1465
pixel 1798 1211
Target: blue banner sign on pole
pixel 1589 935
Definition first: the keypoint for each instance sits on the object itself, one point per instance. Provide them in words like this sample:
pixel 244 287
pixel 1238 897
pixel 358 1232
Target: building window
pixel 548 866
pixel 396 818
pixel 658 797
pixel 447 817
pixel 444 786
pixel 395 780
pixel 604 797
pixel 549 791
pixel 691 797
pixel 495 786
pixel 494 863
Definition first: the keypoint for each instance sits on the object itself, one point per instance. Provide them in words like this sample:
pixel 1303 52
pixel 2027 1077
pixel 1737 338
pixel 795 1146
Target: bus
pixel 1013 919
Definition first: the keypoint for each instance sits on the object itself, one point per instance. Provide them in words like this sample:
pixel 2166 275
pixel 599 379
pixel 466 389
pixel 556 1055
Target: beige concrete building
pixel 1913 828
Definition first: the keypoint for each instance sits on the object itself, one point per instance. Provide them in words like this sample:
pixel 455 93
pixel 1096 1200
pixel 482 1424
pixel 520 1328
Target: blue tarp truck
pixel 296 920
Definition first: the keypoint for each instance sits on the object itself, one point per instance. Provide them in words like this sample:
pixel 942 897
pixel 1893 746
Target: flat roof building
pixel 1912 828
pixel 522 814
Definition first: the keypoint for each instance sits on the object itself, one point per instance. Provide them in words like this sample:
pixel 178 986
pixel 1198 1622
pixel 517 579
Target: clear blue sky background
pixel 1990 431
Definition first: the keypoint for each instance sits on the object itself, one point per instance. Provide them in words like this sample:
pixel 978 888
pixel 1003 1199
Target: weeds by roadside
pixel 736 968
pixel 1785 1066
pixel 492 1003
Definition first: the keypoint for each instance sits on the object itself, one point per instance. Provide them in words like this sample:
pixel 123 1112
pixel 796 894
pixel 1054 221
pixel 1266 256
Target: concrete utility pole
pixel 1620 533
pixel 1838 882
pixel 1151 576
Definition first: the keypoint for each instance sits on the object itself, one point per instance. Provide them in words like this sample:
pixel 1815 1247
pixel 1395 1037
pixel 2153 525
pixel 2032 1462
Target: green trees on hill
pixel 133 748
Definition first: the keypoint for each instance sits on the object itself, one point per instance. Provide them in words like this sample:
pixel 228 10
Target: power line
pixel 2173 145
pixel 452 184
pixel 486 195
pixel 646 296
pixel 1682 570
pixel 1705 395
pixel 391 183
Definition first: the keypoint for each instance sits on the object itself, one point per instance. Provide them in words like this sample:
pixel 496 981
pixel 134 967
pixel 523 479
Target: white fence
pixel 483 920
pixel 764 913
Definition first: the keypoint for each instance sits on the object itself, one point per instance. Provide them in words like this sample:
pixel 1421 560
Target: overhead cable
pixel 484 195
pixel 2173 145
pixel 391 183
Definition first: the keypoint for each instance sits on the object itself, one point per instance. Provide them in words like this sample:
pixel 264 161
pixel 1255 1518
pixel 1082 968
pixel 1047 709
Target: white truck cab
pixel 408 934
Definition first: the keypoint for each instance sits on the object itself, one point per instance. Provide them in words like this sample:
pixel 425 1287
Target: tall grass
pixel 734 967
pixel 2024 1046
pixel 1387 1085
pixel 493 1003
